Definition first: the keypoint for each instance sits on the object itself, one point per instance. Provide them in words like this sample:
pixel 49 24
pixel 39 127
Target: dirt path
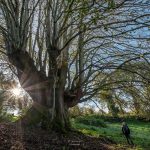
pixel 14 137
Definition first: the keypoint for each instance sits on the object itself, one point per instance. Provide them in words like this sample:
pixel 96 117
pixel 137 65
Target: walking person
pixel 126 132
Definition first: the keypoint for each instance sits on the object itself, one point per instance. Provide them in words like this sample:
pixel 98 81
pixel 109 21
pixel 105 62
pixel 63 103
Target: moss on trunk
pixel 41 117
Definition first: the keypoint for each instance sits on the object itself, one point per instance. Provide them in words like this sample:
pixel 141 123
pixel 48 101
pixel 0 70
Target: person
pixel 126 132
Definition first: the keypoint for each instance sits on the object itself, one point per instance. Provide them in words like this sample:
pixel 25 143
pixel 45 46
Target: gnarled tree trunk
pixel 50 100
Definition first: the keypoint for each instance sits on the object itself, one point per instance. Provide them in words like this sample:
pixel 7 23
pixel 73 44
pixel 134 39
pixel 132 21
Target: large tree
pixel 60 46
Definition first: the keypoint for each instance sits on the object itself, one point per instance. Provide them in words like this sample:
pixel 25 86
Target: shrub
pixel 91 120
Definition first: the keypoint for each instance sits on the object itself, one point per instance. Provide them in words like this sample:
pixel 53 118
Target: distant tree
pixel 126 90
pixel 75 111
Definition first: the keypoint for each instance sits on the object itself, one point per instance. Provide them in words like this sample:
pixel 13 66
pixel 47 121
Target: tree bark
pixel 50 101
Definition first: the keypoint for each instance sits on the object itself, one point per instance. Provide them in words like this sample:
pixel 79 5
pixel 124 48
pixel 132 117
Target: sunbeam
pixel 16 91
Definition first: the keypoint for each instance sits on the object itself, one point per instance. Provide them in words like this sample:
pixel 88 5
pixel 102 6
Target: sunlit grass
pixel 140 132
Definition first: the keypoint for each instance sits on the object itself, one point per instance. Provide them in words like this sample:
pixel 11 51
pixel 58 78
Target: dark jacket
pixel 125 130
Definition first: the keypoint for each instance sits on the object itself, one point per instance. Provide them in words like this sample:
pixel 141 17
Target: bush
pixel 6 117
pixel 91 120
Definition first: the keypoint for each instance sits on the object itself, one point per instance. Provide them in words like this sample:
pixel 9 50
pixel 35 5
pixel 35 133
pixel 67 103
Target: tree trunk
pixel 56 118
pixel 60 115
pixel 49 109
pixel 50 100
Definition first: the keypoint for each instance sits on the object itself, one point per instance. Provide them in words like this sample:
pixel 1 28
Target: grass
pixel 140 131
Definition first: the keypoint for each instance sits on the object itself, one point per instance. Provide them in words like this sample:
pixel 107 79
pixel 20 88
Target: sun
pixel 16 91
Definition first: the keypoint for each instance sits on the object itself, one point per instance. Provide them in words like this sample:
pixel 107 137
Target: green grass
pixel 140 131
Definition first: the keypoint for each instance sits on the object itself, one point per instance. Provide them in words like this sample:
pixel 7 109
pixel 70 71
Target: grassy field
pixel 100 126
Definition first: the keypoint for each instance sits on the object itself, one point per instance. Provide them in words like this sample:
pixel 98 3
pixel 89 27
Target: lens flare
pixel 16 91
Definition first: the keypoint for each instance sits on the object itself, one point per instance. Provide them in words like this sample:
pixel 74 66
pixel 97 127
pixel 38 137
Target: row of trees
pixel 127 92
